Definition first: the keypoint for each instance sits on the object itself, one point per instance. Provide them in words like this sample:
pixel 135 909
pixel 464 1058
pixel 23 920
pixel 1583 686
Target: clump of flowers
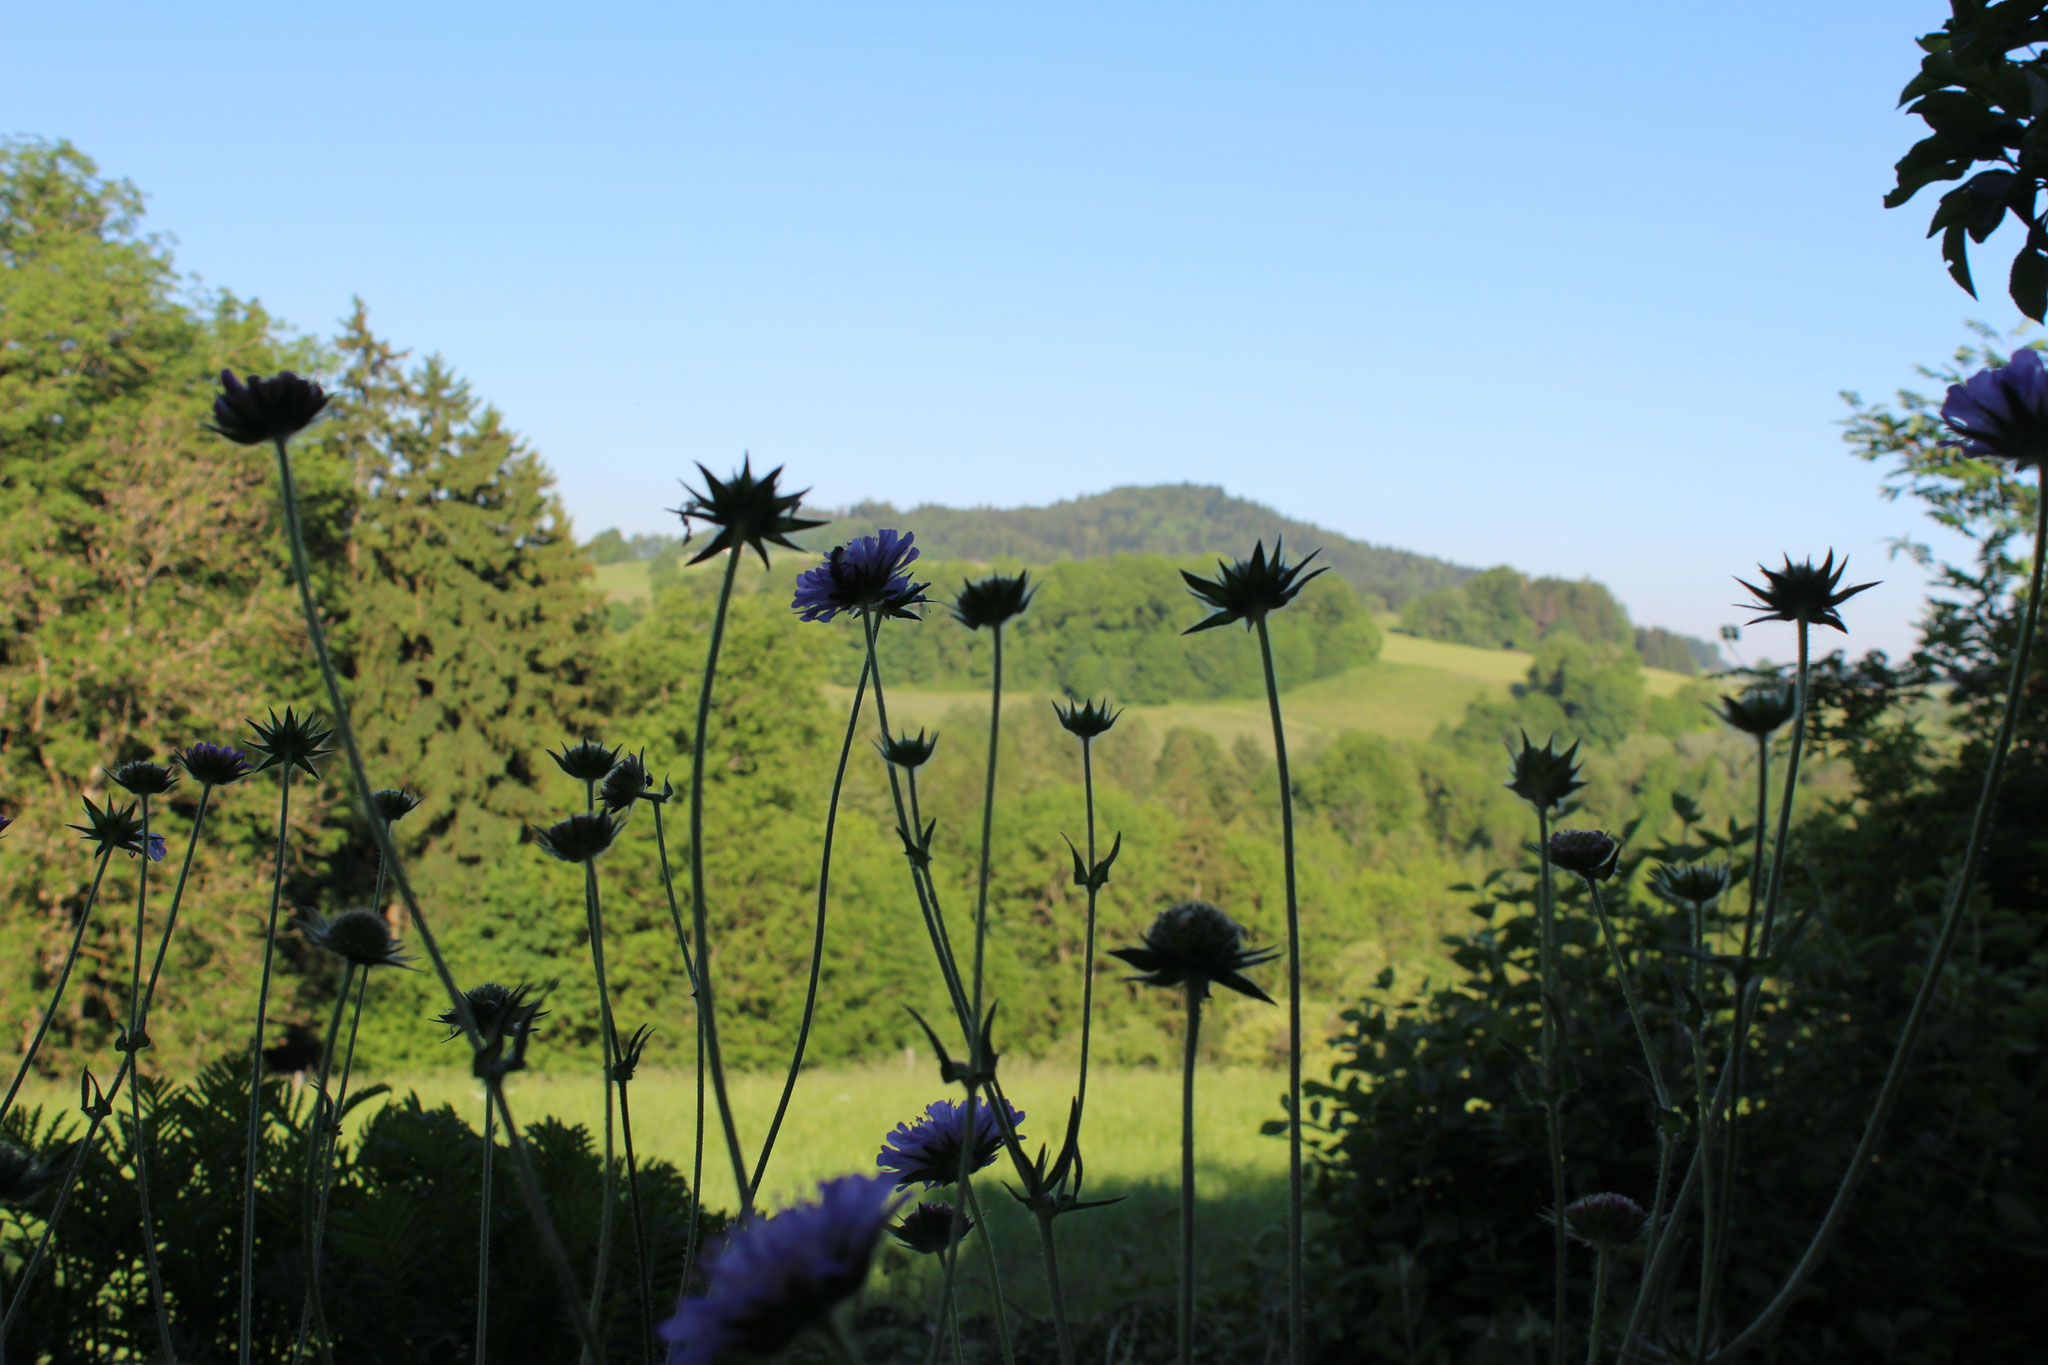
pixel 929 1150
pixel 776 1278
pixel 864 577
pixel 252 411
pixel 2001 413
pixel 213 765
pixel 1197 944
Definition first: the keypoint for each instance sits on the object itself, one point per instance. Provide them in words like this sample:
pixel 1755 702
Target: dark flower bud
pixel 748 511
pixel 258 410
pixel 213 765
pixel 908 752
pixel 629 1054
pixel 394 803
pixel 627 782
pixel 1197 944
pixel 586 761
pixel 495 1009
pixel 928 1228
pixel 110 830
pixel 1802 592
pixel 23 1177
pixel 1605 1221
pixel 1247 590
pixel 993 600
pixel 294 742
pixel 1544 777
pixel 2001 413
pixel 1760 709
pixel 144 778
pixel 1592 853
pixel 929 1151
pixel 299 1050
pixel 865 577
pixel 1086 722
pixel 1689 883
pixel 579 838
pixel 361 936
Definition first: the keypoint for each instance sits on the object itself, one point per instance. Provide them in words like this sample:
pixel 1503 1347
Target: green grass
pixel 623 582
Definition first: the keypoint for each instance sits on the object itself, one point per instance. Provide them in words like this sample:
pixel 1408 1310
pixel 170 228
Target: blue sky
pixel 1570 286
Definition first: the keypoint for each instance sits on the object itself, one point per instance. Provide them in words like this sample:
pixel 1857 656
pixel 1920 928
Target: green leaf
pixel 2029 281
pixel 1955 250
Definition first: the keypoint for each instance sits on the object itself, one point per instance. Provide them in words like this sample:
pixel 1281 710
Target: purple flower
pixel 929 1150
pixel 157 848
pixel 2001 413
pixel 215 765
pixel 5 821
pixel 775 1278
pixel 861 576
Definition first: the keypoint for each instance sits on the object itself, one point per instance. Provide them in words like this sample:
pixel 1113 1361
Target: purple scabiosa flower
pixel 2001 413
pixel 1605 1221
pixel 1592 853
pixel 250 412
pixel 773 1279
pixel 158 849
pixel 213 765
pixel 929 1150
pixel 864 576
pixel 928 1228
pixel 1805 591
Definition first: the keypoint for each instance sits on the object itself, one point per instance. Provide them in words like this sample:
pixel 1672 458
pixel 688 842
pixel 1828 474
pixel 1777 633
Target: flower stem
pixel 988 1252
pixel 1088 952
pixel 1628 993
pixel 1599 1306
pixel 646 1285
pixel 609 1043
pixel 550 1241
pixel 255 1128
pixel 63 979
pixel 339 1107
pixel 483 1235
pixel 988 814
pixel 1958 899
pixel 35 1261
pixel 1297 1322
pixel 1546 908
pixel 316 1133
pixel 1050 1252
pixel 803 1033
pixel 697 1015
pixel 387 850
pixel 140 1147
pixel 707 1009
pixel 1185 1319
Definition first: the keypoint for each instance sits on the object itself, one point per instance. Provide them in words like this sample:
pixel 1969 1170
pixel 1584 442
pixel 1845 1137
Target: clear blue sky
pixel 1570 286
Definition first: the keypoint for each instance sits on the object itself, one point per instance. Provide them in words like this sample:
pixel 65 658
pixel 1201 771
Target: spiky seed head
pixel 1196 944
pixel 587 760
pixel 908 751
pixel 1605 1222
pixel 1689 884
pixel 395 803
pixel 993 600
pixel 111 830
pixel 2001 413
pixel 928 1228
pixel 1544 777
pixel 864 577
pixel 628 781
pixel 747 511
pixel 579 838
pixel 213 765
pixel 1250 588
pixel 294 742
pixel 495 1009
pixel 1591 853
pixel 252 411
pixel 143 777
pixel 1760 708
pixel 361 936
pixel 1802 592
pixel 1086 721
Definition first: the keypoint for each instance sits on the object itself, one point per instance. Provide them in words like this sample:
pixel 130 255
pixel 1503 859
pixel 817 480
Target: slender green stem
pixel 163 943
pixel 707 1009
pixel 988 815
pixel 609 1041
pixel 1297 1322
pixel 57 1211
pixel 988 1252
pixel 255 1129
pixel 1049 1251
pixel 316 1135
pixel 646 1285
pixel 1662 1250
pixel 327 1154
pixel 1628 993
pixel 483 1235
pixel 697 1016
pixel 140 1148
pixel 675 913
pixel 1546 908
pixel 63 979
pixel 1088 952
pixel 1952 915
pixel 1185 1319
pixel 387 850
pixel 803 1032
pixel 934 913
pixel 1599 1307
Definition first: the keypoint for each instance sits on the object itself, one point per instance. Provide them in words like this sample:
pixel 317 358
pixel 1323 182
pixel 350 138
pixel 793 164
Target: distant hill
pixel 1180 520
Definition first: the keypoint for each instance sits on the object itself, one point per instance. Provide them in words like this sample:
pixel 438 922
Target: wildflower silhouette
pixel 928 1228
pixel 1804 593
pixel 989 602
pixel 2002 413
pixel 213 765
pixel 864 577
pixel 256 410
pixel 749 512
